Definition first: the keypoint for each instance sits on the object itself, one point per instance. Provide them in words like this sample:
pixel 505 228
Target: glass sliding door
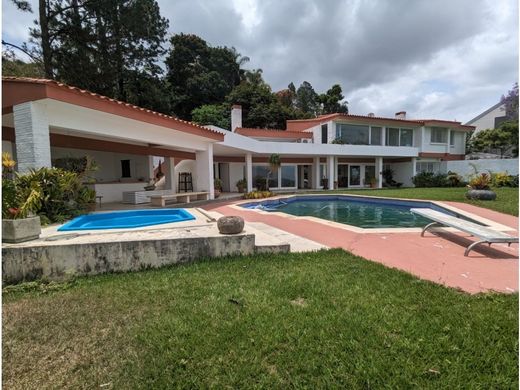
pixel 354 175
pixel 370 174
pixel 342 176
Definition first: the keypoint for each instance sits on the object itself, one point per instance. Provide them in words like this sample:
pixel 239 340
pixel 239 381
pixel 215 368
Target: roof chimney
pixel 400 115
pixel 371 114
pixel 236 117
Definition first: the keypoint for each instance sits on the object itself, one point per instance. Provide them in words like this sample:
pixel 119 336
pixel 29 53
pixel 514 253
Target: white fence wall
pixel 465 167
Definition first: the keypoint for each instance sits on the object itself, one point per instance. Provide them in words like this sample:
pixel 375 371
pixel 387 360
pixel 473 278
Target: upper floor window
pixel 452 138
pixel 399 137
pixel 125 168
pixel 439 135
pixel 375 135
pixel 324 133
pixel 353 134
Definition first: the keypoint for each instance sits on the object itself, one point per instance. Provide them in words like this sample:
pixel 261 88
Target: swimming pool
pixel 363 212
pixel 126 219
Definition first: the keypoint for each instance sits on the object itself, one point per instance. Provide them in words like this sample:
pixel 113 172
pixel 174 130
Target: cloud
pixel 443 58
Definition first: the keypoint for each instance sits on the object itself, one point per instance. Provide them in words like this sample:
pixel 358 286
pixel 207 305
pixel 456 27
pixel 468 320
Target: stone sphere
pixel 230 225
pixel 481 194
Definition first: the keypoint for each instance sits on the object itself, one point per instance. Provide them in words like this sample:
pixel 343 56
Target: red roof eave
pixel 16 90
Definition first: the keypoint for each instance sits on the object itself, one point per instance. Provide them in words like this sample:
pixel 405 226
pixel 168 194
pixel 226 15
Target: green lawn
pixel 315 320
pixel 506 202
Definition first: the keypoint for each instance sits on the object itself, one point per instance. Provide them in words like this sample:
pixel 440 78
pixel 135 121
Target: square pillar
pixel 316 179
pixel 31 128
pixel 150 169
pixel 249 172
pixel 331 174
pixel 169 167
pixel 204 180
pixel 379 172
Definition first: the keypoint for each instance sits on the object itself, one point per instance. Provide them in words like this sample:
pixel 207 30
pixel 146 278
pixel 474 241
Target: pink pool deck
pixel 438 258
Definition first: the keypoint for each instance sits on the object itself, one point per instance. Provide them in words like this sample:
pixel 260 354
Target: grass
pixel 506 201
pixel 313 320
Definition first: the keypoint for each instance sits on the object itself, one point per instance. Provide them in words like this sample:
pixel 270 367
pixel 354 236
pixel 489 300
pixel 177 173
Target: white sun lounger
pixel 484 233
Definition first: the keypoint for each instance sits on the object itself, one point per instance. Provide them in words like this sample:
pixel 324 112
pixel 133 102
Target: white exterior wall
pixel 7 146
pixel 465 167
pixel 109 163
pixel 488 120
pixel 236 173
pixel 113 192
pixel 403 173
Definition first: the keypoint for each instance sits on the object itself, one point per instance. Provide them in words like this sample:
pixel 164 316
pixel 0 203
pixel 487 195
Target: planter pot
pixel 230 225
pixel 325 183
pixel 216 194
pixel 481 194
pixel 20 230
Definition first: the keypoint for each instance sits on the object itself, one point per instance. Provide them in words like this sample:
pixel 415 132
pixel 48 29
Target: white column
pixel 448 142
pixel 204 180
pixel 379 172
pixel 316 179
pixel 31 127
pixel 249 172
pixel 150 168
pixel 169 167
pixel 330 171
pixel 414 166
pixel 383 136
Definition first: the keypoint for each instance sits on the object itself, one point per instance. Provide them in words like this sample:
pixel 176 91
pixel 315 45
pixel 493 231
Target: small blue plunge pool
pixel 363 212
pixel 126 219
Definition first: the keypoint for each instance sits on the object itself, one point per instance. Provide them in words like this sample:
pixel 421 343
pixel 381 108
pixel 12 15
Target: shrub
pixel 514 181
pixel 480 182
pixel 217 184
pixel 430 179
pixel 61 193
pixel 241 185
pixel 501 179
pixel 454 179
pixel 258 194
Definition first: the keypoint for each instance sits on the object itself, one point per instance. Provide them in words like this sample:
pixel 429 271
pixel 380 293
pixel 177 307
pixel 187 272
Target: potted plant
pixel 241 185
pixel 325 183
pixel 217 185
pixel 274 164
pixel 479 188
pixel 19 223
pixel 373 182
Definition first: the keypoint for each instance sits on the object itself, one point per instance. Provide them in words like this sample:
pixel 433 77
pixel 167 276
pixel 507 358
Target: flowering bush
pixel 480 182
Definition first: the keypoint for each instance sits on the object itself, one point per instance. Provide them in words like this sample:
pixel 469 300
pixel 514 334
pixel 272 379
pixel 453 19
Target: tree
pixel 307 100
pixel 511 103
pixel 13 66
pixel 199 74
pixel 332 101
pixel 490 140
pixel 213 114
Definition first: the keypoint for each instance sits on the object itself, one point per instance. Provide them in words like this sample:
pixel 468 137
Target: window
pixel 324 133
pixel 452 138
pixel 260 173
pixel 392 136
pixel 439 135
pixel 406 137
pixel 370 174
pixel 288 175
pixel 375 135
pixel 427 166
pixel 125 168
pixel 352 134
pixel 499 120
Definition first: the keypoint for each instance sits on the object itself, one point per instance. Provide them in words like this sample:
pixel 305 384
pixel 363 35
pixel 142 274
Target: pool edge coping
pixel 487 222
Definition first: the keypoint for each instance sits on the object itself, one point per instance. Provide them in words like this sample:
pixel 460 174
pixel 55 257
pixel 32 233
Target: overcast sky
pixel 449 59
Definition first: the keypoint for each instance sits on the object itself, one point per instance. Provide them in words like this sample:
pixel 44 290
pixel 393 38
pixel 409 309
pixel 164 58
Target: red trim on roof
pixel 304 124
pixel 272 133
pixel 16 90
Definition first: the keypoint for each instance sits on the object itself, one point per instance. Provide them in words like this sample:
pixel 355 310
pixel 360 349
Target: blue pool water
pixel 126 219
pixel 363 212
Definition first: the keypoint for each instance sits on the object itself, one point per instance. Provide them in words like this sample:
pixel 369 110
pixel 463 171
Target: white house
pixel 43 120
pixel 489 119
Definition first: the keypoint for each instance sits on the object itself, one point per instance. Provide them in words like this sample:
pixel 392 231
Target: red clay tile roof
pixel 272 133
pixel 304 124
pixel 184 125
